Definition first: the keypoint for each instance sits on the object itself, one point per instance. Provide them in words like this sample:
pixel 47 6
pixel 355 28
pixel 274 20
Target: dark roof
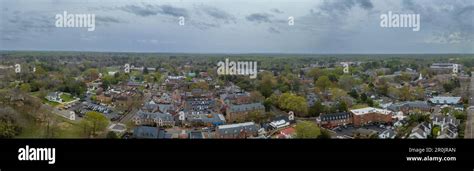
pixel 145 132
pixel 335 116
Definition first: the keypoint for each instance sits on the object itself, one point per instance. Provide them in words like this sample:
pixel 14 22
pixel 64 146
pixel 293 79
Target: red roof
pixel 288 131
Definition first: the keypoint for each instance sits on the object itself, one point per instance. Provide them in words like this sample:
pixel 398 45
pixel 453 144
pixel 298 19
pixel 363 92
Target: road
pixel 468 133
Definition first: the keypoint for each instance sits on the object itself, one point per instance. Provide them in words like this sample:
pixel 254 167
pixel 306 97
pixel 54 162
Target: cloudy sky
pixel 239 26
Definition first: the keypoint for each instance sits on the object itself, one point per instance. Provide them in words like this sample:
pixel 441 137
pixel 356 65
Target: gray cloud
pixel 366 4
pixel 105 20
pixel 18 24
pixel 276 10
pixel 218 14
pixel 273 30
pixel 260 18
pixel 149 10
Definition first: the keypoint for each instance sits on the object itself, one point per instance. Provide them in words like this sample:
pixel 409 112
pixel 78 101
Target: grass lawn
pixel 63 129
pixel 67 97
pixel 54 104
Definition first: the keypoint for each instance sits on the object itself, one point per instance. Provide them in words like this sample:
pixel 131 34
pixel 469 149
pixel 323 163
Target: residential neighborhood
pixel 188 99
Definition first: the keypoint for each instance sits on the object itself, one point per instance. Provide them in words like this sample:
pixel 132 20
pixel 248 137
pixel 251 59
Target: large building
pixel 235 112
pixel 356 117
pixel 410 106
pixel 444 68
pixel 369 115
pixel 335 119
pixel 240 130
pixel 156 118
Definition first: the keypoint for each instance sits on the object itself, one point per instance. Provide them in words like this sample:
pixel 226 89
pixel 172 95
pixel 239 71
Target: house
pixel 213 119
pixel 369 115
pixel 335 119
pixel 287 133
pixel 54 97
pixel 240 130
pixel 279 122
pixel 157 118
pixel 444 68
pixel 421 131
pixel 448 124
pixel 148 132
pixel 387 134
pixel 150 106
pixel 235 112
pixel 445 100
pixel 448 131
pixel 410 106
pixel 442 120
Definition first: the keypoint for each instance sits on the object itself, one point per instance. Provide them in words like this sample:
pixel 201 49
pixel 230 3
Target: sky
pixel 239 26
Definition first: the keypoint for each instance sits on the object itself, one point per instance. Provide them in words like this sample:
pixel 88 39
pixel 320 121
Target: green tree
pixel 267 83
pixel 94 122
pixel 307 129
pixel 346 82
pixel 292 102
pixel 111 135
pixel 323 83
pixel 317 109
pixel 353 93
pixel 9 127
pixel 25 87
pixel 435 131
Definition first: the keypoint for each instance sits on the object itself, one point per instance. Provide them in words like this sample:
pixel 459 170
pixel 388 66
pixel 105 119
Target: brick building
pixel 370 115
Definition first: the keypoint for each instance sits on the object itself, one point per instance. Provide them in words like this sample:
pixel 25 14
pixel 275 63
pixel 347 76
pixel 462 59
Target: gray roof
pixel 445 100
pixel 446 119
pixel 237 128
pixel 148 132
pixel 145 132
pixel 214 118
pixel 409 104
pixel 246 107
pixel 157 115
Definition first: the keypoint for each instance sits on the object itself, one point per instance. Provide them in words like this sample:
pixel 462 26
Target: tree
pixel 342 106
pixel 337 93
pixel 256 116
pixel 317 109
pixel 419 93
pixel 405 93
pixel 346 82
pixel 91 74
pixel 94 122
pixel 435 131
pixel 353 93
pixel 256 96
pixel 25 87
pixel 324 134
pixel 200 85
pixel 111 135
pixel 292 102
pixel 307 129
pixel 9 127
pixel 323 83
pixel 267 83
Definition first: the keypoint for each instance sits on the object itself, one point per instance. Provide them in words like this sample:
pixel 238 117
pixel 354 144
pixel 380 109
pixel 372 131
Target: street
pixel 468 133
